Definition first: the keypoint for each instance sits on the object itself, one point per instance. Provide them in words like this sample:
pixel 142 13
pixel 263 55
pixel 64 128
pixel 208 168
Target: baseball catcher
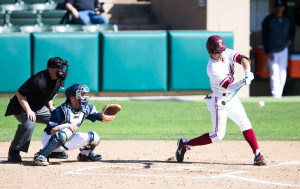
pixel 60 134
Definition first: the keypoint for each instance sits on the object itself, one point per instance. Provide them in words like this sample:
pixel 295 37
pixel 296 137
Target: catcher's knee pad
pixel 64 135
pixel 94 139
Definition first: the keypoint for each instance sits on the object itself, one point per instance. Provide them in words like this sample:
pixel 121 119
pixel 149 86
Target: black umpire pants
pixel 24 132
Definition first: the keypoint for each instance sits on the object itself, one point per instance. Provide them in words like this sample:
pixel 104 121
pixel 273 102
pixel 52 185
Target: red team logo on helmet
pixel 215 43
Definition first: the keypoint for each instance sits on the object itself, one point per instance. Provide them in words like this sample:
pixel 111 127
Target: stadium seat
pixel 8 9
pixel 7 2
pixel 2 18
pixel 38 1
pixel 54 17
pixel 11 29
pixel 100 27
pixel 19 18
pixel 14 7
pixel 35 28
pixel 40 7
pixel 66 28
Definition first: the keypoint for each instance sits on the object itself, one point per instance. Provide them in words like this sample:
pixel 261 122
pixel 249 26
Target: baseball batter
pixel 60 134
pixel 220 69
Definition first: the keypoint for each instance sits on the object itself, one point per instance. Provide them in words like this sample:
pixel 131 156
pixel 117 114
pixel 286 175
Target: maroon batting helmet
pixel 215 43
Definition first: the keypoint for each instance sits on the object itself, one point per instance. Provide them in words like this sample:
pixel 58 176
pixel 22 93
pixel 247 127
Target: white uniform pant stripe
pixel 216 119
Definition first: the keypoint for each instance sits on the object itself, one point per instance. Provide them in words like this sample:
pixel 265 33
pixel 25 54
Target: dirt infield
pixel 151 164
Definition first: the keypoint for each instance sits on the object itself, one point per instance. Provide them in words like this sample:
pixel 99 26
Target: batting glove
pixel 248 77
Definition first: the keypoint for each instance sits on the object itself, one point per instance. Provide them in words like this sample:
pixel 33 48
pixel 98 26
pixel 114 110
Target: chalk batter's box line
pixel 231 174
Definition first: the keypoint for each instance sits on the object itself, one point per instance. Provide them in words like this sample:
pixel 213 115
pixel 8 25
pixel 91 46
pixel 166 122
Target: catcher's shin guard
pixel 88 149
pixel 60 138
pixel 51 145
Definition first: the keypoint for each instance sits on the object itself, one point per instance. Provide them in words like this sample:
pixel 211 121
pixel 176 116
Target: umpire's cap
pixel 56 62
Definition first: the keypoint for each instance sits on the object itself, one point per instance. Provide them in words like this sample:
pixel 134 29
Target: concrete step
pixel 124 27
pixel 130 18
pixel 127 8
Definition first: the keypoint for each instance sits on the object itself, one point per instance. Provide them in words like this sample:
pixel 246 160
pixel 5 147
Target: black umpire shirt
pixel 38 90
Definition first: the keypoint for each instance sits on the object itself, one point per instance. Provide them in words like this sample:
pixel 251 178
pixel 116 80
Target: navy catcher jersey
pixel 65 114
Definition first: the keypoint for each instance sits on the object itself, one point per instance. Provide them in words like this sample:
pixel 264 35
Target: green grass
pixel 168 120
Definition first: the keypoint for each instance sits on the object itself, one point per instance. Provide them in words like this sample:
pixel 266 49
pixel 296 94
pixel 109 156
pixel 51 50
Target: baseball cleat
pixel 259 160
pixel 58 155
pixel 92 157
pixel 82 157
pixel 14 156
pixel 181 149
pixel 40 160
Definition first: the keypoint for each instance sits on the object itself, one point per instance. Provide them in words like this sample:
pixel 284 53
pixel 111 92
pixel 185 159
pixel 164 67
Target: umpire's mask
pixel 56 62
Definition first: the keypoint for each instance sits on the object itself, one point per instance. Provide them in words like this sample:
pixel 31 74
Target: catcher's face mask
pixel 62 69
pixel 82 95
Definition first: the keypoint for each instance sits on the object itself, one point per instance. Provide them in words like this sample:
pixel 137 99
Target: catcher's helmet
pixel 215 43
pixel 80 91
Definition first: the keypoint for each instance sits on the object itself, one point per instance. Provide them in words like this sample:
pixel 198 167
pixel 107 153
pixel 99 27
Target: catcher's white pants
pixel 219 113
pixel 78 140
pixel 278 67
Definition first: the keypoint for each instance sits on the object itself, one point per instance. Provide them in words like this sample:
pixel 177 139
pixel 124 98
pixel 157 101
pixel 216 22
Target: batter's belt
pixel 216 93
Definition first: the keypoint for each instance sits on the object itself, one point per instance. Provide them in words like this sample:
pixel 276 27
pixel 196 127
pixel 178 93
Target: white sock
pixel 257 152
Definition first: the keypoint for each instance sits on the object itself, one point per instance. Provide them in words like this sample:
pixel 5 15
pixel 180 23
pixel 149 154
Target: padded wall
pixel 134 61
pixel 188 59
pixel 81 50
pixel 15 61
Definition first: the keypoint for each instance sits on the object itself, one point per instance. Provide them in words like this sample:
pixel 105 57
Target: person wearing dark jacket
pixel 83 12
pixel 278 33
pixel 33 103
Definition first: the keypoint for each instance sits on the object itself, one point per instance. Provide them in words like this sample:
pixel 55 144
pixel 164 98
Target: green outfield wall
pixel 113 61
pixel 81 50
pixel 188 58
pixel 15 61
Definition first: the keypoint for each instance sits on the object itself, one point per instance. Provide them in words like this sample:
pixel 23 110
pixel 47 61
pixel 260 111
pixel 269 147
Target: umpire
pixel 33 103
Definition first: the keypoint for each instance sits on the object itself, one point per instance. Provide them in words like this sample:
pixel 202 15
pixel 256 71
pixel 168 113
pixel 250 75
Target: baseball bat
pixel 233 93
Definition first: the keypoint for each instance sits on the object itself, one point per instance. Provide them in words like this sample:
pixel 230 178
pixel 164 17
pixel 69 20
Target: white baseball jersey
pixel 221 74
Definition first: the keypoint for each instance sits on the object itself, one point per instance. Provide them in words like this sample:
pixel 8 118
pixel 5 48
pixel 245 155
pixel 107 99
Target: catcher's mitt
pixel 109 112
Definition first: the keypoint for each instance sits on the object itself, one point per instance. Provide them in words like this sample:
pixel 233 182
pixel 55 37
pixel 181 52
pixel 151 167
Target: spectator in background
pixel 83 11
pixel 33 103
pixel 278 33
